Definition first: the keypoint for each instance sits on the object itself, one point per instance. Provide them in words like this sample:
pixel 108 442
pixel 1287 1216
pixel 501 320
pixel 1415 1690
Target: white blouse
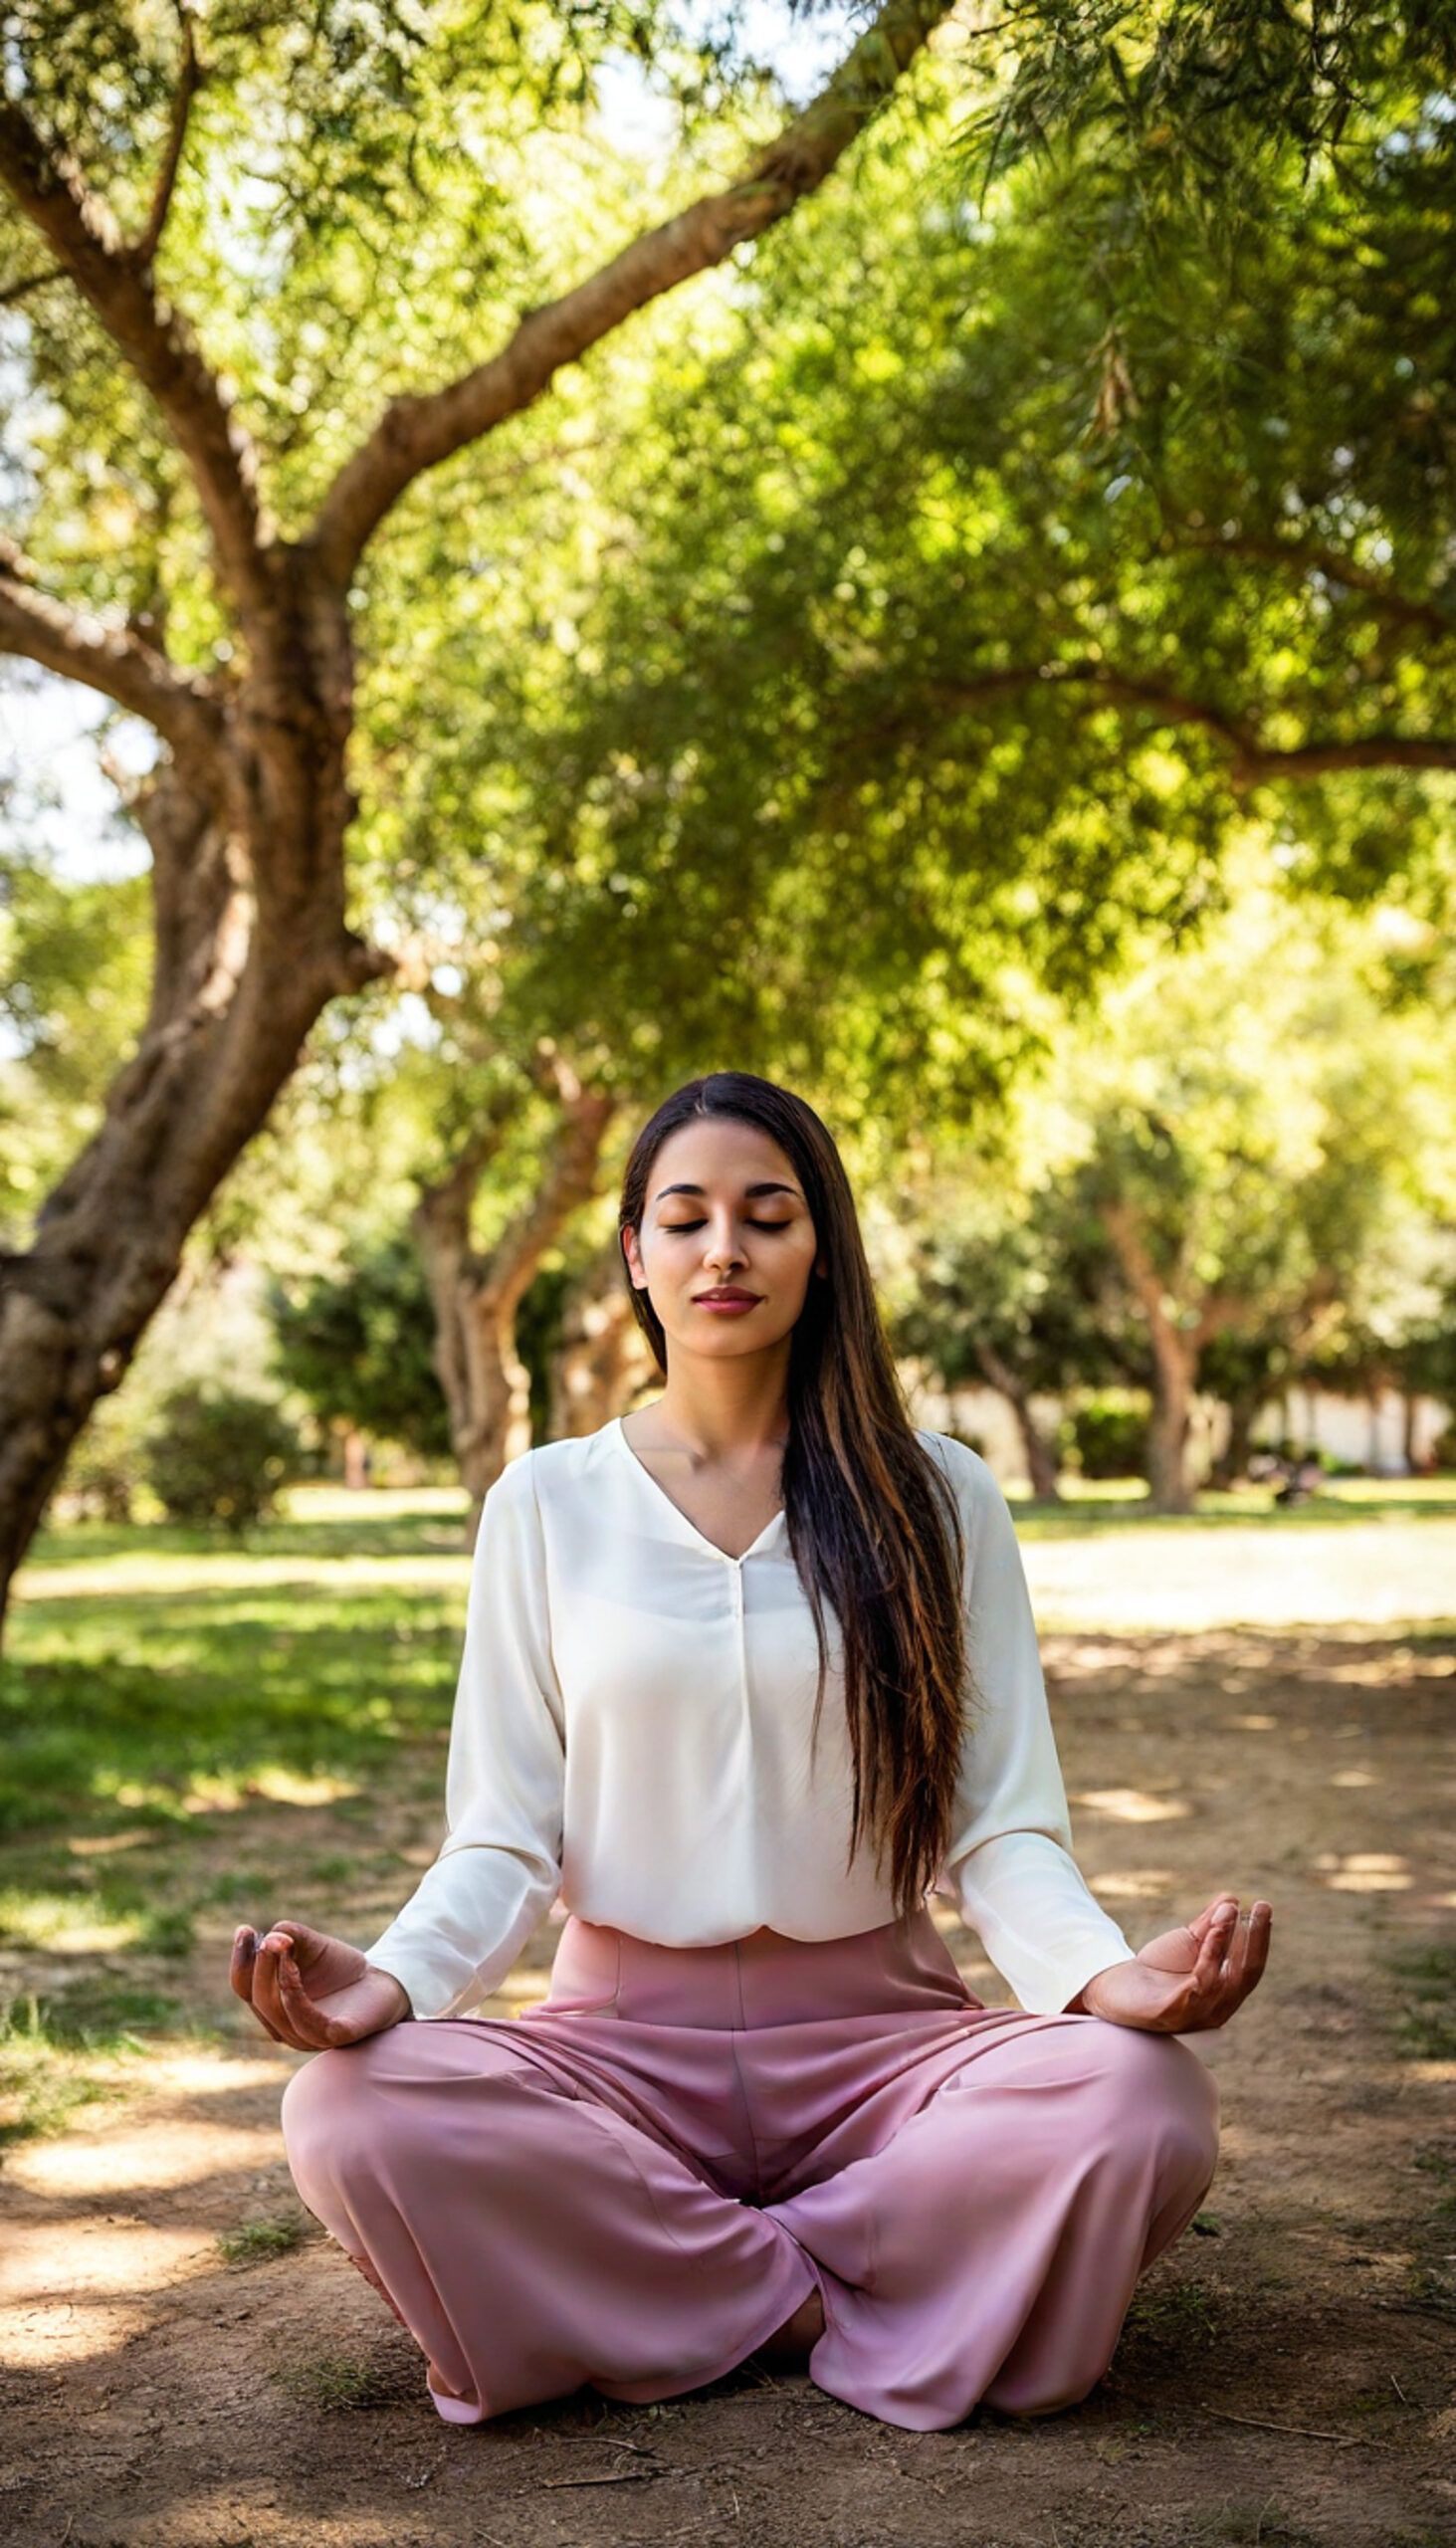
pixel 633 1728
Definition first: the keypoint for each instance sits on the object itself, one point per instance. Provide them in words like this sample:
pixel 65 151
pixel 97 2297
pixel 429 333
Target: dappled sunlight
pixel 207 2074
pixel 147 2159
pixel 1133 1884
pixel 285 1787
pixel 1372 1573
pixel 64 1924
pixel 95 2260
pixel 57 2333
pixel 1364 1872
pixel 179 1574
pixel 1132 1804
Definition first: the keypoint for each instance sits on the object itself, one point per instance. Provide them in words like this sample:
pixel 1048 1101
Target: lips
pixel 747 1298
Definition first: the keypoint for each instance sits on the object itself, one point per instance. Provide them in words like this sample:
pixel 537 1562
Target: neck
pixel 713 1408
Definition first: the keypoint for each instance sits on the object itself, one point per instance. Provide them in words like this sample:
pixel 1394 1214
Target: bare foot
pixel 790 2344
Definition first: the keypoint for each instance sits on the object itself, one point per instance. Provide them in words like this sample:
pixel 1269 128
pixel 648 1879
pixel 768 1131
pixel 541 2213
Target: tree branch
pixel 1250 760
pixel 81 232
pixel 188 84
pixel 21 290
pixel 416 433
pixel 114 661
pixel 1303 560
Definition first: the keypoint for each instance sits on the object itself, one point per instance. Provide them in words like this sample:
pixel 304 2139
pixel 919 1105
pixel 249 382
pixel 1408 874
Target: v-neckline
pixel 724 1556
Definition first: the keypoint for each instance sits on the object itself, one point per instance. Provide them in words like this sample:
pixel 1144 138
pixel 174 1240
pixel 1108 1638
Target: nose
pixel 721 1248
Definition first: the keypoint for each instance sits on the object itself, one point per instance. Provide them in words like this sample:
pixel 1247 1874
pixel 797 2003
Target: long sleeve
pixel 500 1863
pixel 1011 1868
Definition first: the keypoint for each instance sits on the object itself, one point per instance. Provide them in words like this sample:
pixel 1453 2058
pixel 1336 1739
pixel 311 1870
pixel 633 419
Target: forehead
pixel 721 1155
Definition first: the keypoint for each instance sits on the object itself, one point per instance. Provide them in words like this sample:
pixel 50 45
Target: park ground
pixel 194 1736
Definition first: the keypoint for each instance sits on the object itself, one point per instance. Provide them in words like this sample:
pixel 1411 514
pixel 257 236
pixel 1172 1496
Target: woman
pixel 745 1674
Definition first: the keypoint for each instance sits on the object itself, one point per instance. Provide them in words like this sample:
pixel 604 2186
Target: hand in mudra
pixel 1187 1978
pixel 312 1991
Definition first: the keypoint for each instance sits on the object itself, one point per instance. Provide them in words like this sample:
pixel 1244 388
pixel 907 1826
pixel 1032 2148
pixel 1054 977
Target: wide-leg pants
pixel 634 2185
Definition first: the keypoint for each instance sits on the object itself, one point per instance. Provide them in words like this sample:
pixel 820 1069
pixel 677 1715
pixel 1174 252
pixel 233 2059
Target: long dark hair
pixel 872 1518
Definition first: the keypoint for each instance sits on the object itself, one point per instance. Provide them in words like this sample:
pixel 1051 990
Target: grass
pixel 1425 1982
pixel 1175 2318
pixel 59 2053
pixel 162 1737
pixel 352 2381
pixel 254 2242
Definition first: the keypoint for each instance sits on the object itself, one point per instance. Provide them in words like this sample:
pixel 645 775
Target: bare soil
pixel 1288 2374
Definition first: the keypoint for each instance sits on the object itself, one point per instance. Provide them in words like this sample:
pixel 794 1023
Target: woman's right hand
pixel 312 1991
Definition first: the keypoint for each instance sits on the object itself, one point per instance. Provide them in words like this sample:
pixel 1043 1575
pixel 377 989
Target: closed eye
pixel 671 1230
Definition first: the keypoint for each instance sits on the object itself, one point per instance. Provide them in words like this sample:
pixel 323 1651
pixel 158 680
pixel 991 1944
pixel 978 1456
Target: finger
pixel 242 1974
pixel 309 2025
pixel 1198 1926
pixel 267 1996
pixel 240 1971
pixel 1208 1973
pixel 1252 1953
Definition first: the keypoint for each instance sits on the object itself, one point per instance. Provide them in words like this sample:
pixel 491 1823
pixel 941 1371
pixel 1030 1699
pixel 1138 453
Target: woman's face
pixel 724 1212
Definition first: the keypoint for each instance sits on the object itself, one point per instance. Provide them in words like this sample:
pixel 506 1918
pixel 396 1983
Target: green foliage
pixel 357 1346
pixel 50 2045
pixel 73 989
pixel 219 1456
pixel 345 2380
pixel 1425 1981
pixel 1109 1437
pixel 256 2243
pixel 122 1709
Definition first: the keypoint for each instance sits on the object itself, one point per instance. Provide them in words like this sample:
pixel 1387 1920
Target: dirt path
pixel 1288 2377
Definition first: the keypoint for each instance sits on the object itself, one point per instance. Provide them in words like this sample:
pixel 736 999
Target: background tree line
pixel 1008 625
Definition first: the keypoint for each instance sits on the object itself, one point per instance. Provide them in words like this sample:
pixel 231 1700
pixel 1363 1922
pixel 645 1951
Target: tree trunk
pixel 240 973
pixel 1041 1459
pixel 486 1383
pixel 1243 1414
pixel 603 1359
pixel 1176 1336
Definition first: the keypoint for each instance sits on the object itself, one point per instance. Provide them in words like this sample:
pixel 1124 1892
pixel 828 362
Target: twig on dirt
pixel 1399 2392
pixel 1307 2432
pixel 606 2442
pixel 618 2477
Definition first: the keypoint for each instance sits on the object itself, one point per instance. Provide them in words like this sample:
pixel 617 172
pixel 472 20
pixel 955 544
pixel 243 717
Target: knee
pixel 1165 2100
pixel 330 2120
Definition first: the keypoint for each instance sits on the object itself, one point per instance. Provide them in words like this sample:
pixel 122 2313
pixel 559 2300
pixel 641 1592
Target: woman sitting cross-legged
pixel 747 1674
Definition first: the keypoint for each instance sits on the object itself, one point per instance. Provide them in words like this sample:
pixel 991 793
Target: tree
pixel 477 1293
pixel 1011 1293
pixel 340 193
pixel 1265 1146
pixel 1018 548
pixel 355 1343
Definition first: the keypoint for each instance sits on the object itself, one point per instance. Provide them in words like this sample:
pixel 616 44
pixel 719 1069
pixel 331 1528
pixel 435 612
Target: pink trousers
pixel 635 2185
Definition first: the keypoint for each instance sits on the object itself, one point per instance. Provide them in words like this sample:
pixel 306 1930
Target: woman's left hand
pixel 1187 1978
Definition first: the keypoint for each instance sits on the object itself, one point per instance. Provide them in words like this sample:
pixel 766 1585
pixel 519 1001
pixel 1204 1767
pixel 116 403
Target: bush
pixel 1109 1437
pixel 219 1456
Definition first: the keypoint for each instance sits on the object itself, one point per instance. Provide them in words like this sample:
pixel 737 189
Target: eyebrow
pixel 769 1186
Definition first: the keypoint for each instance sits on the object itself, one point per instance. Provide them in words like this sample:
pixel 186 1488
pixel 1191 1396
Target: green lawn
pixel 193 1731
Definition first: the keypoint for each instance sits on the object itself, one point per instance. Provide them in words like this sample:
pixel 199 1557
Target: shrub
pixel 1109 1437
pixel 219 1456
